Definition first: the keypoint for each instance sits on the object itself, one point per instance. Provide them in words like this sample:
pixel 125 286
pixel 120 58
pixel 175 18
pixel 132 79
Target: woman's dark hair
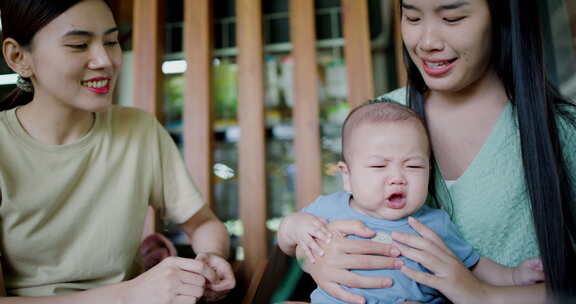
pixel 21 20
pixel 517 57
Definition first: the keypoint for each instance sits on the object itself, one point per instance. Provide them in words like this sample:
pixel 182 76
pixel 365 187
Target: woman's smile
pixel 437 67
pixel 98 85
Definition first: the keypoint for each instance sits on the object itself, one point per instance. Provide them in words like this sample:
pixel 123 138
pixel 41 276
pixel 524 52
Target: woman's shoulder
pixel 129 117
pixel 131 122
pixel 399 95
pixel 130 113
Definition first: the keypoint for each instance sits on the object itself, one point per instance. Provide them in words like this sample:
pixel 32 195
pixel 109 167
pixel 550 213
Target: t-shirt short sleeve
pixel 178 196
pixel 328 206
pixel 313 208
pixel 462 249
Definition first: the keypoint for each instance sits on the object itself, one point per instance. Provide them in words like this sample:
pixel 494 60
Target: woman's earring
pixel 24 84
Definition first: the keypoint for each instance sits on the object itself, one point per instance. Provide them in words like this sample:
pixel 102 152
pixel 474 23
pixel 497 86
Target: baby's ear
pixel 345 173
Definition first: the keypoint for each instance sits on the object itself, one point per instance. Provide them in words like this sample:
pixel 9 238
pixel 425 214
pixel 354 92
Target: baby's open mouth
pixel 397 200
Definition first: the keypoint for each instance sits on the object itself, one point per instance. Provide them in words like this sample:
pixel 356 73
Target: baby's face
pixel 387 168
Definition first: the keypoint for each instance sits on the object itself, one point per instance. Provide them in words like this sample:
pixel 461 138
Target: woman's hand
pixel 450 276
pixel 224 280
pixel 342 254
pixel 173 281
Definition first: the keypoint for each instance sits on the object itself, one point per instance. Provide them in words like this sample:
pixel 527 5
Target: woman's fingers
pixel 422 244
pixel 195 267
pixel 190 278
pixel 421 277
pixel 428 234
pixel 430 261
pixel 352 246
pixel 354 227
pixel 359 281
pixel 338 292
pixel 352 261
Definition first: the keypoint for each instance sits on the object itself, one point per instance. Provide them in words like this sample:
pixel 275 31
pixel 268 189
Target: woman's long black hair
pixel 21 20
pixel 517 58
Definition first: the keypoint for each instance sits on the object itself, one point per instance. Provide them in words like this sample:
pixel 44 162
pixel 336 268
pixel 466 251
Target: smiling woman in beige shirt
pixel 78 174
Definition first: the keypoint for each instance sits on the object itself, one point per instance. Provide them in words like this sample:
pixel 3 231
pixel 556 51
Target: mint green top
pixel 490 203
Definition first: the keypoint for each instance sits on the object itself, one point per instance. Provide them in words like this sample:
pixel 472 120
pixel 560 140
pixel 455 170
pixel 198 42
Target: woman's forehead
pixel 441 5
pixel 92 16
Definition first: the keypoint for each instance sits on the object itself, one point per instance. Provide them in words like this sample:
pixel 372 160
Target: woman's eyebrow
pixel 88 33
pixel 443 7
pixel 451 6
pixel 409 6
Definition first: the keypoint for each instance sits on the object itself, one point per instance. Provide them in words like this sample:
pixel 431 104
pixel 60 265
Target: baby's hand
pixel 529 272
pixel 307 230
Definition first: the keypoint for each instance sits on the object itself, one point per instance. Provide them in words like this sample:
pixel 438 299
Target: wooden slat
pixel 148 50
pixel 357 51
pixel 198 145
pixel 398 48
pixel 251 147
pixel 306 121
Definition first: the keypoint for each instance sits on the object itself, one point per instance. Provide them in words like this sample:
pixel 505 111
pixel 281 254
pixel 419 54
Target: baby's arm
pixel 527 273
pixel 303 229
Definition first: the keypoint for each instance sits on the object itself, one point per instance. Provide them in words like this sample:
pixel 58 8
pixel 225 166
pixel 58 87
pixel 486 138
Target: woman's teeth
pixel 436 65
pixel 96 84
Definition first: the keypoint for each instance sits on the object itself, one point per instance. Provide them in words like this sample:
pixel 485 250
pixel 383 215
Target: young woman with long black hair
pixel 77 174
pixel 504 143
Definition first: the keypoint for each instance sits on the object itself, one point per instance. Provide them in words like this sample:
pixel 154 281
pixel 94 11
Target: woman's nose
pixel 99 58
pixel 430 39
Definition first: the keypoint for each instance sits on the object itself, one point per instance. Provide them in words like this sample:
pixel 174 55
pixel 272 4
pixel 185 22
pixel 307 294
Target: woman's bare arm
pixel 173 281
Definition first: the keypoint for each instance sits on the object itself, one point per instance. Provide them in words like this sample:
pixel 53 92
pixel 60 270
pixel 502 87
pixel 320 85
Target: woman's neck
pixel 54 123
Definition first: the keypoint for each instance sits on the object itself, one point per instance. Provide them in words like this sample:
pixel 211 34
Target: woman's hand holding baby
pixel 454 280
pixel 341 254
pixel 449 276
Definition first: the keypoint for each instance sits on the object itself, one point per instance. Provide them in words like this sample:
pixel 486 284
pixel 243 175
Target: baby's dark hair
pixel 379 110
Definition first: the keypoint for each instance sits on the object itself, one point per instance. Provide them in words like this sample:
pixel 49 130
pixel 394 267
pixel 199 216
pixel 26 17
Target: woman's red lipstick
pixel 98 85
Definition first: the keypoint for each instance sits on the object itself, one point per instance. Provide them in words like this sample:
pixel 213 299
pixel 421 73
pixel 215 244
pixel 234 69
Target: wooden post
pixel 306 121
pixel 357 49
pixel 251 147
pixel 398 48
pixel 148 49
pixel 198 144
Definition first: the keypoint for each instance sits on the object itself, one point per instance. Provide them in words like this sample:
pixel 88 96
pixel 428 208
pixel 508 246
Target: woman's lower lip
pixel 102 90
pixel 437 71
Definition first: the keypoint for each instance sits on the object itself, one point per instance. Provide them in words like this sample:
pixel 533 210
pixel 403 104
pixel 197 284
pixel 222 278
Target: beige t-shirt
pixel 71 216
